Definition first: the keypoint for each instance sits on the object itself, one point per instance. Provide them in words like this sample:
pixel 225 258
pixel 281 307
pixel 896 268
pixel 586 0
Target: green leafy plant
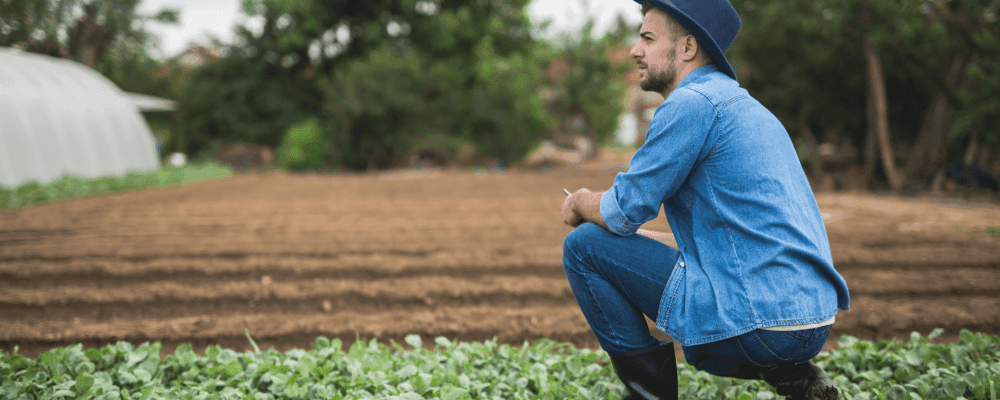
pixel 70 186
pixel 446 369
pixel 988 229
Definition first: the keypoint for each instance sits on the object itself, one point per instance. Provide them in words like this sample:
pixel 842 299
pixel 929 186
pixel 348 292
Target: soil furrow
pixel 225 255
pixel 483 318
pixel 369 266
pixel 423 281
pixel 874 314
pixel 113 312
pixel 280 288
pixel 293 273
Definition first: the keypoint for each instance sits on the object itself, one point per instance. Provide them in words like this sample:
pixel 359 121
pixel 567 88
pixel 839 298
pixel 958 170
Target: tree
pixel 79 30
pixel 814 63
pixel 310 57
pixel 587 87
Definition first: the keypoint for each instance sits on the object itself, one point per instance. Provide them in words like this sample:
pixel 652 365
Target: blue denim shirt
pixel 754 251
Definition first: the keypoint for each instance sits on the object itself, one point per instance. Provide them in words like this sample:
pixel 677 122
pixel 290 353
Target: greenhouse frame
pixel 58 117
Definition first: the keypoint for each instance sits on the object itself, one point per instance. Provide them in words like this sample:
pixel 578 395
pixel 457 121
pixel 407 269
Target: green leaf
pixel 954 387
pixel 83 383
pixel 414 340
pixel 142 375
pixel 406 372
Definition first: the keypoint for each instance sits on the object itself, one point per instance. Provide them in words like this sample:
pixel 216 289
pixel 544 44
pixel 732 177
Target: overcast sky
pixel 201 18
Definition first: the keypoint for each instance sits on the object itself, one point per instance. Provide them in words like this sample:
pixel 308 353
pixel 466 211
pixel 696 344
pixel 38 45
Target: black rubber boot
pixel 648 374
pixel 802 382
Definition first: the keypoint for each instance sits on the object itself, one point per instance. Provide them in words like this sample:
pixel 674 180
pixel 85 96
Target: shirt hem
pixel 723 336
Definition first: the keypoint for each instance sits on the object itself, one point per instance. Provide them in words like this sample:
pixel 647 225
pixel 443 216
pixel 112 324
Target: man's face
pixel 654 52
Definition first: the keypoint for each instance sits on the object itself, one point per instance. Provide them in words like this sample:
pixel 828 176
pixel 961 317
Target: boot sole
pixel 823 389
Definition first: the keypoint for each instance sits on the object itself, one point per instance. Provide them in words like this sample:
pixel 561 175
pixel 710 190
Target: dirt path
pixel 461 254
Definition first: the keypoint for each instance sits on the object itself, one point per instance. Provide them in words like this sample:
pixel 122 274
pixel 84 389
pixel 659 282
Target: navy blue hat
pixel 714 23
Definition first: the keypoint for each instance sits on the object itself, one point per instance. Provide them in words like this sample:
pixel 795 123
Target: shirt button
pixel 681 264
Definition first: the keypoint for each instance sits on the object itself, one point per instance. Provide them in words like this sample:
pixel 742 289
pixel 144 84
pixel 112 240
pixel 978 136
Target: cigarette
pixel 567 192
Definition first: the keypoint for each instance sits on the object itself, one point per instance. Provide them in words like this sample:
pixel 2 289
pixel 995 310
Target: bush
pixel 390 102
pixel 303 148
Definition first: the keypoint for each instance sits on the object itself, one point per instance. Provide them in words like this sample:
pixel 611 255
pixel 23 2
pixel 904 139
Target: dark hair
pixel 676 30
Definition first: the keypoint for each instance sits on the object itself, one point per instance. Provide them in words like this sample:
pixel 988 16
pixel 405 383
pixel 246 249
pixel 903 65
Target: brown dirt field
pixel 462 254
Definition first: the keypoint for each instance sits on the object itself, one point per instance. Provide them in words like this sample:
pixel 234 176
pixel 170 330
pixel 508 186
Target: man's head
pixel 665 48
pixel 679 36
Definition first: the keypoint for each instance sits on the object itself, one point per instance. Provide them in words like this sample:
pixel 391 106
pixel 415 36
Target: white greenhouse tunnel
pixel 58 117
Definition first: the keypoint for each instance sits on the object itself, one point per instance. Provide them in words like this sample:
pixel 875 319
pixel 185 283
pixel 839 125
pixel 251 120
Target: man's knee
pixel 583 235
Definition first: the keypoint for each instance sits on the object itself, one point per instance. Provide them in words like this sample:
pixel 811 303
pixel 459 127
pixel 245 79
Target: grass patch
pixel 71 186
pixel 887 370
pixel 989 230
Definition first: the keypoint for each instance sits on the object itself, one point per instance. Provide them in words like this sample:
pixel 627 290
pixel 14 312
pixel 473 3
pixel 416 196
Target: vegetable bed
pixel 914 369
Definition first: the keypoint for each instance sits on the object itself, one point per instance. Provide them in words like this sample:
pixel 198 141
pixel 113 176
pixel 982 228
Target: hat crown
pixel 718 18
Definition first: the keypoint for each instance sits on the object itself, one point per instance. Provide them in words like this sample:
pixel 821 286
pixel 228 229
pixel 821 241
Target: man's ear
pixel 689 48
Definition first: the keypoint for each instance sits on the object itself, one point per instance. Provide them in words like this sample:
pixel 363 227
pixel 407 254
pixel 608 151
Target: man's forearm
pixel 588 206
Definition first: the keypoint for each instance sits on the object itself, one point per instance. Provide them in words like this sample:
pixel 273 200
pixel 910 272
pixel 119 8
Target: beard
pixel 658 80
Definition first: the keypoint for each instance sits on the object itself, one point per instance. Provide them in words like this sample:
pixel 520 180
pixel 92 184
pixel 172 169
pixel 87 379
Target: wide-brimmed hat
pixel 714 23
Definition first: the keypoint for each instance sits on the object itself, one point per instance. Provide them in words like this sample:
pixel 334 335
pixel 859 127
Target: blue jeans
pixel 617 279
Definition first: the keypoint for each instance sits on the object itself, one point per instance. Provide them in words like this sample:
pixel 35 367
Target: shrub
pixel 303 147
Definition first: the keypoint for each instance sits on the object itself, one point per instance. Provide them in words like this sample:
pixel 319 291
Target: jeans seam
pixel 764 345
pixel 793 334
pixel 617 265
pixel 604 314
pixel 747 355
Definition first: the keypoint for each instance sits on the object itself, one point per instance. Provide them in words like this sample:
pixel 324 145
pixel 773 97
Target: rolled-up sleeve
pixel 613 215
pixel 678 138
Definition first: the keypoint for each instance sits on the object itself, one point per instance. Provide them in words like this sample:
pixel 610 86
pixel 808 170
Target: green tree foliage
pixel 386 104
pixel 81 30
pixel 239 98
pixel 591 89
pixel 976 22
pixel 383 77
pixel 805 61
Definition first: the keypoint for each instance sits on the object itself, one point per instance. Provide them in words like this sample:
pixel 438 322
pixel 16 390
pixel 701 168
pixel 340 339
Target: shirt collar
pixel 698 73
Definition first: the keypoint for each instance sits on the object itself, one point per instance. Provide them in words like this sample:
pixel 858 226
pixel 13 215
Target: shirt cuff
pixel 613 215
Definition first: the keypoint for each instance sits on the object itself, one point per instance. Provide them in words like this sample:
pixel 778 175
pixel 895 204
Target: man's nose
pixel 636 52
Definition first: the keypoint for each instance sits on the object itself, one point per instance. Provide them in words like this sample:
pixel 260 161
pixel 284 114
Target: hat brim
pixel 704 39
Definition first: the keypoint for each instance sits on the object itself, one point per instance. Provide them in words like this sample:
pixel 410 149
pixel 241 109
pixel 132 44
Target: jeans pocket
pixel 765 347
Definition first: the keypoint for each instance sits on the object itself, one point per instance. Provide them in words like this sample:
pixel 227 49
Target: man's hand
pixel 570 212
pixel 583 206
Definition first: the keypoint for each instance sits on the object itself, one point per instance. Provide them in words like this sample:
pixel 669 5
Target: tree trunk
pixel 881 115
pixel 928 153
pixel 812 147
pixel 870 152
pixel 89 39
pixel 972 150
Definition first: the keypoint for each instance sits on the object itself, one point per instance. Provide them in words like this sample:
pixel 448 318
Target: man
pixel 750 292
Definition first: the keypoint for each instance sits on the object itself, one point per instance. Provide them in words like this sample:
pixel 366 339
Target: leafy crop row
pixel 71 186
pixel 886 370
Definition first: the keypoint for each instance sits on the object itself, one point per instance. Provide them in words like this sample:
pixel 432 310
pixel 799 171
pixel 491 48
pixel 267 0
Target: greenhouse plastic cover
pixel 58 117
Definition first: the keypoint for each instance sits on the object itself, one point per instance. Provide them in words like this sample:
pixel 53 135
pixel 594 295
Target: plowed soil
pixel 463 254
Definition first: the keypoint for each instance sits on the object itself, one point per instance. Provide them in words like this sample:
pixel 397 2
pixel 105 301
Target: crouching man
pixel 750 292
